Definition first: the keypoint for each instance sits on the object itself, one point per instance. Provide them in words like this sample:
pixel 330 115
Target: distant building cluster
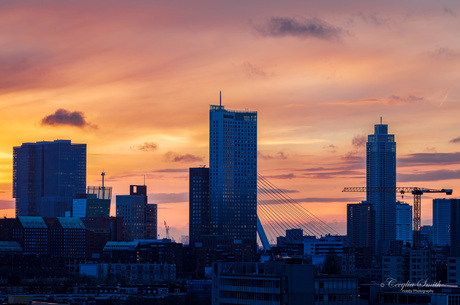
pixel 63 229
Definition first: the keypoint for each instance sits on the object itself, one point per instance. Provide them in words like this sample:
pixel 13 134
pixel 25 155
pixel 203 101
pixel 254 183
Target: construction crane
pixel 167 232
pixel 166 229
pixel 416 191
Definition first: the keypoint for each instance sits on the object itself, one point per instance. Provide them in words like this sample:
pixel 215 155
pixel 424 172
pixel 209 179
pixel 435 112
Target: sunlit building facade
pixel 233 173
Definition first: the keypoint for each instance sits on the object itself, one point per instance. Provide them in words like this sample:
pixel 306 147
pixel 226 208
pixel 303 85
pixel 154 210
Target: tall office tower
pixel 361 225
pixel 132 208
pixel 381 175
pixel 198 203
pixel 441 222
pixel 47 176
pixel 151 217
pixel 455 227
pixel 233 173
pixel 404 222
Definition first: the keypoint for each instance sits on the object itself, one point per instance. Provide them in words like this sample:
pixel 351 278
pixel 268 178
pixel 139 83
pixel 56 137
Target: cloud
pixel 147 146
pixel 429 176
pixel 354 157
pixel 253 71
pixel 64 117
pixel 336 174
pixel 7 204
pixel 442 53
pixel 307 28
pixel 449 11
pixel 172 170
pixel 373 19
pixel 359 141
pixel 168 197
pixel 287 176
pixel 286 191
pixel 278 156
pixel 409 99
pixel 326 199
pixel 331 148
pixel 317 199
pixel 174 157
pixel 429 159
pixel 455 140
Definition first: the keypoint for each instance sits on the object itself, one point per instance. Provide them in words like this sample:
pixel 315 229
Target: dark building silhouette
pixel 455 227
pixel 441 222
pixel 266 283
pixel 198 204
pixel 381 175
pixel 67 236
pixel 151 217
pixel 360 225
pixel 47 176
pixel 32 234
pixel 62 237
pixel 139 218
pixel 233 173
pixel 99 231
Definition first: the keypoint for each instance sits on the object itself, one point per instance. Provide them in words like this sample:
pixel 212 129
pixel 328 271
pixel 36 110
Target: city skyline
pixel 134 83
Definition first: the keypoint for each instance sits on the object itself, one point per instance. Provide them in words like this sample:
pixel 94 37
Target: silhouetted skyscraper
pixel 441 222
pixel 361 225
pixel 404 222
pixel 455 227
pixel 132 208
pixel 381 175
pixel 47 176
pixel 198 203
pixel 233 173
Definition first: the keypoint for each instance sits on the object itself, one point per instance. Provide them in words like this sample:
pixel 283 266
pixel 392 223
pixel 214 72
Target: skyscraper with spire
pixel 380 176
pixel 233 173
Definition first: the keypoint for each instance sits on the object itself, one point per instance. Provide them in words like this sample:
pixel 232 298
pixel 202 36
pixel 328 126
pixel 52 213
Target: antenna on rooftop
pixel 220 98
pixel 103 174
pixel 380 120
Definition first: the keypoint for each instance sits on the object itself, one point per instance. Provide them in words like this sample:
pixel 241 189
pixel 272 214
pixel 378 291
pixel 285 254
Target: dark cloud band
pixel 308 28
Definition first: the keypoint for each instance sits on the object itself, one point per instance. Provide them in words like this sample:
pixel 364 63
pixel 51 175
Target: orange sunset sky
pixel 134 81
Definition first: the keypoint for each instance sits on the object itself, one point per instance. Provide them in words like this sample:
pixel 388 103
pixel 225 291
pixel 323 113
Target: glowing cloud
pixel 64 117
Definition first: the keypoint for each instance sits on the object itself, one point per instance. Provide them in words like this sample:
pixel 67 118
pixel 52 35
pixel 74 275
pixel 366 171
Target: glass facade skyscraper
pixel 233 173
pixel 380 176
pixel 441 222
pixel 198 204
pixel 47 176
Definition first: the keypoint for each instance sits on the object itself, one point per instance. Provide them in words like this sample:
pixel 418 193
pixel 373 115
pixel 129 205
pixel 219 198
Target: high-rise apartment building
pixel 455 227
pixel 47 176
pixel 361 225
pixel 233 173
pixel 381 175
pixel 132 208
pixel 139 218
pixel 198 203
pixel 404 223
pixel 151 216
pixel 441 222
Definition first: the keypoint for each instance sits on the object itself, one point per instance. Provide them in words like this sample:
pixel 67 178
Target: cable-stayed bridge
pixel 277 212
